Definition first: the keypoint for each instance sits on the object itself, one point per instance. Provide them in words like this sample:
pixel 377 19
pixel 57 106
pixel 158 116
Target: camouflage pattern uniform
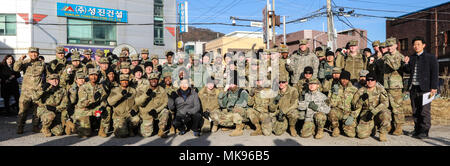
pixel 232 101
pixel 57 65
pixel 341 109
pixel 393 83
pixel 33 71
pixel 123 106
pixel 325 70
pixel 354 64
pixel 153 107
pixel 315 108
pixel 374 108
pixel 51 102
pixel 332 83
pixel 210 102
pixel 67 78
pixel 297 62
pixel 287 104
pixel 260 114
pixel 85 61
pixel 66 115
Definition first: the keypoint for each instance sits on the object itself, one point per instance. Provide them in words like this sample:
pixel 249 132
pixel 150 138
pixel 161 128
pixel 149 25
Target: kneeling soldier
pixel 286 103
pixel 316 109
pixel 260 115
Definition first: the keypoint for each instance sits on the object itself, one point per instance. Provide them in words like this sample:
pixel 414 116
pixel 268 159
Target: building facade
pixel 235 41
pixel 87 24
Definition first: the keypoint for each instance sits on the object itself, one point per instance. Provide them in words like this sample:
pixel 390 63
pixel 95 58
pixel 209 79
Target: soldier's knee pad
pixel 147 128
pixel 320 117
pixel 363 130
pixel 301 115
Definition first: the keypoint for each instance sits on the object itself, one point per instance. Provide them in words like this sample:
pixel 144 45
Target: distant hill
pixel 200 34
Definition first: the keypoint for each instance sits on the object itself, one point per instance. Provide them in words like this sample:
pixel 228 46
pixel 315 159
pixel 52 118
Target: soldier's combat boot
pixel 238 131
pixel 46 132
pixel 102 133
pixel 398 130
pixel 19 129
pixel 293 131
pixel 319 134
pixel 214 128
pixel 383 137
pixel 69 127
pixel 172 130
pixel 36 129
pixel 257 131
pixel 225 129
pixel 161 132
pixel 336 132
pixel 130 132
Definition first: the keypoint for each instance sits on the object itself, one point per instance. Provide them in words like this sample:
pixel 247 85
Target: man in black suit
pixel 424 70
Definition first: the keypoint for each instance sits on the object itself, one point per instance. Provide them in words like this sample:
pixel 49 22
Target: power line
pixel 127 24
pixel 390 11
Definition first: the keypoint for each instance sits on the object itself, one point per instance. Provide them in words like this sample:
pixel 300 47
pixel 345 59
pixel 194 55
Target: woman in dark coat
pixel 9 84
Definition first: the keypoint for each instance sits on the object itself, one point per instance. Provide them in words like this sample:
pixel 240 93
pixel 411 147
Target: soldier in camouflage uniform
pixel 33 71
pixel 123 58
pixel 259 112
pixel 122 99
pixel 138 81
pixel 57 65
pixel 87 60
pixel 297 62
pixel 393 82
pixel 341 106
pixel 104 67
pixel 156 66
pixel 362 79
pixel 353 61
pixel 371 104
pixel 144 56
pixel 169 66
pixel 69 74
pixel 134 61
pixel 209 98
pixel 152 102
pixel 302 85
pixel 283 61
pixel 52 100
pixel 234 100
pixel 72 101
pixel 286 104
pixel 326 67
pixel 315 109
pixel 91 98
pixel 197 72
pixel 332 83
pixel 169 88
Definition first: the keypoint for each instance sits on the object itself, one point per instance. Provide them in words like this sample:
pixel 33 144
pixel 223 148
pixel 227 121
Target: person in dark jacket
pixel 9 84
pixel 186 105
pixel 424 71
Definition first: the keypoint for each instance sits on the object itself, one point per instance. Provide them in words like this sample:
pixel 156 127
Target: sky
pixel 213 11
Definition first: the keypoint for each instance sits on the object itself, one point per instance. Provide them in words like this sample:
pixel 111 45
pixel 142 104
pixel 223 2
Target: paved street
pixel 439 136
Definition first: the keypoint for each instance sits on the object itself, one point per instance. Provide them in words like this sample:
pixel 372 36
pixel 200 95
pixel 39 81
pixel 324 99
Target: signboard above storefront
pixel 91 13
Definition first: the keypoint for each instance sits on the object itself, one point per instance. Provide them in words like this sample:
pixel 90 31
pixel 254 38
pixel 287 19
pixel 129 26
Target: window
pixel 404 44
pixel 7 24
pixel 90 32
pixel 158 26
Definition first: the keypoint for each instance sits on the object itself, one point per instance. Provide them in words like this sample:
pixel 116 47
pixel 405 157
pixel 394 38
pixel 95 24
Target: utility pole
pixel 273 22
pixel 267 25
pixel 284 30
pixel 436 45
pixel 331 31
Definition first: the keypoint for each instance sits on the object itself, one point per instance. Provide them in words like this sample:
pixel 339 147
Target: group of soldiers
pixel 268 90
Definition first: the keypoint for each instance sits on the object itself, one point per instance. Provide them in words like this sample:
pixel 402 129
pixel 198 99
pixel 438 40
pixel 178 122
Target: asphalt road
pixel 439 136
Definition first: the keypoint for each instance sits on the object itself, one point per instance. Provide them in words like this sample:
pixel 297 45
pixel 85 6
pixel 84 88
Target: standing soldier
pixel 332 83
pixel 144 56
pixel 104 67
pixel 91 98
pixel 169 66
pixel 169 88
pixel 393 83
pixel 316 110
pixel 326 67
pixel 66 115
pixel 57 65
pixel 125 112
pixel 286 104
pixel 302 85
pixel 156 66
pixel 134 61
pixel 259 114
pixel 52 100
pixel 341 106
pixel 69 74
pixel 283 61
pixel 152 104
pixel 87 58
pixel 297 62
pixel 371 104
pixel 353 61
pixel 33 73
pixel 234 100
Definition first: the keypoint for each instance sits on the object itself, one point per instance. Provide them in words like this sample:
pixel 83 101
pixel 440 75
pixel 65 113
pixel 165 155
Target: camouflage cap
pixel 383 44
pixel 125 49
pixel 283 50
pixel 283 77
pixel 167 74
pixel 363 73
pixel 353 43
pixel 154 56
pixel 376 43
pixel 337 70
pixel 87 51
pixel 321 54
pixel 103 60
pixel 124 77
pixel 134 57
pixel 80 75
pixel 391 41
pixel 144 51
pixel 60 50
pixel 153 76
pixel 99 53
pixel 52 76
pixel 75 56
pixel 33 49
pixel 93 71
pixel 314 81
pixel 303 42
pixel 124 65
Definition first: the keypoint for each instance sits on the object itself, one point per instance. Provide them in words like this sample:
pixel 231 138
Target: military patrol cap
pixel 376 43
pixel 99 53
pixel 314 81
pixel 308 70
pixel 134 57
pixel 167 74
pixel 33 49
pixel 283 77
pixel 80 75
pixel 125 49
pixel 363 73
pixel 103 60
pixel 124 77
pixel 87 51
pixel 75 56
pixel 153 76
pixel 53 76
pixel 144 51
pixel 353 43
pixel 383 44
pixel 337 70
pixel 345 75
pixel 303 42
pixel 154 56
pixel 60 50
pixel 93 71
pixel 321 54
pixel 371 76
pixel 391 41
pixel 124 65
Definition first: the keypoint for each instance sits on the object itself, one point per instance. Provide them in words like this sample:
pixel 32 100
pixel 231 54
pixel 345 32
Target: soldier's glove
pixel 206 114
pixel 364 96
pixel 328 77
pixel 51 108
pixel 133 113
pixel 277 99
pixel 124 92
pixel 369 116
pixel 45 86
pixel 150 93
pixel 349 121
pixel 173 95
pixel 313 106
pixel 153 113
pixel 280 116
pixel 104 113
pixel 97 95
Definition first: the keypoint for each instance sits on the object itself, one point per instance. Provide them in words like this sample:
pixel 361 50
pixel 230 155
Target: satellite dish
pixel 118 49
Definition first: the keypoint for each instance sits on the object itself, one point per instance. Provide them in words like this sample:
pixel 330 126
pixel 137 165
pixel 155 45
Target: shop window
pixel 7 24
pixel 158 26
pixel 91 32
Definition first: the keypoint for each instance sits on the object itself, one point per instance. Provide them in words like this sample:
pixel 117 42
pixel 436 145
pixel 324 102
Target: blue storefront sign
pixel 71 49
pixel 91 13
